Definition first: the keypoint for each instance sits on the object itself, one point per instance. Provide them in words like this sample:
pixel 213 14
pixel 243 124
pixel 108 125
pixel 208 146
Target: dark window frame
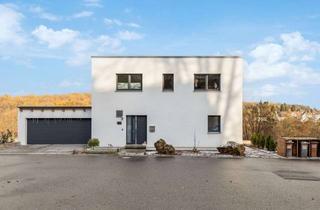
pixel 163 80
pixel 129 82
pixel 206 83
pixel 214 132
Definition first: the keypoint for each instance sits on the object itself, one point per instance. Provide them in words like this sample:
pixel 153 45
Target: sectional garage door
pixel 58 131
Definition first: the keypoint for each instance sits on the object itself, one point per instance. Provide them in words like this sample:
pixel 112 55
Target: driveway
pixel 104 182
pixel 41 149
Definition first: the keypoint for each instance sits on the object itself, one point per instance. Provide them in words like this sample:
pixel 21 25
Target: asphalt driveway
pixel 103 182
pixel 40 149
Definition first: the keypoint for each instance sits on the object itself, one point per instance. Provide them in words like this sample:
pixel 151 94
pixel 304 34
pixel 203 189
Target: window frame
pixel 129 82
pixel 206 82
pixel 167 90
pixel 214 132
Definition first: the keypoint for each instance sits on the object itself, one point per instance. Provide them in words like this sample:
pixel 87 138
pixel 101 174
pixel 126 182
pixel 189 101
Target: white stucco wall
pixel 179 115
pixel 29 113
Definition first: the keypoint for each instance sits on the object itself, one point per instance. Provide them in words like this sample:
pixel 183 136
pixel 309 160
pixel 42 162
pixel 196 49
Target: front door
pixel 136 129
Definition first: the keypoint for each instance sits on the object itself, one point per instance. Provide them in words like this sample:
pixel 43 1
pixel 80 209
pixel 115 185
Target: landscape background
pixel 265 118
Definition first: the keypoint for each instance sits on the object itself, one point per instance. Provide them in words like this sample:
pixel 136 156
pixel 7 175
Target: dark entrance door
pixel 58 131
pixel 136 129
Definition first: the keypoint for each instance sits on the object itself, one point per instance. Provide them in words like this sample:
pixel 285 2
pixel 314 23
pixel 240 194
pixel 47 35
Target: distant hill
pixel 280 120
pixel 268 118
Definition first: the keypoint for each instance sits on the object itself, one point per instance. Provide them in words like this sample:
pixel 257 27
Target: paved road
pixel 101 182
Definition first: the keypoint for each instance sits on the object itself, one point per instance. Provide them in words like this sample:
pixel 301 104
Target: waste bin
pixel 289 148
pixel 304 149
pixel 314 149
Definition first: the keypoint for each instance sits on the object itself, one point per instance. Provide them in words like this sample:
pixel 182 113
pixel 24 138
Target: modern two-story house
pixel 186 100
pixel 136 100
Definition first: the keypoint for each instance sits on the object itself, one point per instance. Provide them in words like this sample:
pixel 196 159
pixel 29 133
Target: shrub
pixel 93 143
pixel 254 139
pixel 262 142
pixel 271 144
pixel 6 137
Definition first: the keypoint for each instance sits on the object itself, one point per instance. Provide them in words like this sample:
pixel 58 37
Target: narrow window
pixel 214 82
pixel 168 82
pixel 129 81
pixel 214 124
pixel 207 82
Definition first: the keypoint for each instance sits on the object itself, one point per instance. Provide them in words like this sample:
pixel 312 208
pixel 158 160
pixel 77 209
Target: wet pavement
pixel 40 149
pixel 104 182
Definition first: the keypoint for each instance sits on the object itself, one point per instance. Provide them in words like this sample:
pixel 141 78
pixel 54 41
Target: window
pixel 214 124
pixel 207 82
pixel 129 81
pixel 168 82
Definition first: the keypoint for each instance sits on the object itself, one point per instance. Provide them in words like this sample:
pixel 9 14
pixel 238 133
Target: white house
pixel 136 100
pixel 186 100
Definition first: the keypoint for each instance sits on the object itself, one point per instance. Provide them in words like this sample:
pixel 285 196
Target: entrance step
pixel 133 151
pixel 135 146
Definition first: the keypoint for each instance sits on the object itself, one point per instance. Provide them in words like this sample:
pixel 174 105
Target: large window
pixel 129 81
pixel 214 124
pixel 207 82
pixel 168 82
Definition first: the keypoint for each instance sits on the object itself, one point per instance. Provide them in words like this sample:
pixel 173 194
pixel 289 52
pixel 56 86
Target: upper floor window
pixel 129 81
pixel 168 82
pixel 207 82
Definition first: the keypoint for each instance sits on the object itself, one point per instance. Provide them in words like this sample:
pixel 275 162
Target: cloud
pixel 282 67
pixel 92 3
pixel 82 14
pixel 54 39
pixel 129 35
pixel 112 22
pixel 134 25
pixel 115 22
pixel 10 26
pixel 43 14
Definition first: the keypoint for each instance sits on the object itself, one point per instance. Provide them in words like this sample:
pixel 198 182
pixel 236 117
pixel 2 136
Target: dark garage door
pixel 58 131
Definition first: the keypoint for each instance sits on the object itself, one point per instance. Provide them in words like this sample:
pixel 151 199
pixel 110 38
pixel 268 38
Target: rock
pixel 163 148
pixel 232 148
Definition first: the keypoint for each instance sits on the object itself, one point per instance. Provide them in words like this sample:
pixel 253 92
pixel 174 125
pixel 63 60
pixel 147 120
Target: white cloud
pixel 83 14
pixel 10 25
pixel 134 25
pixel 262 52
pixel 109 42
pixel 129 35
pixel 54 39
pixel 111 22
pixel 43 14
pixel 92 3
pixel 282 67
pixel 115 22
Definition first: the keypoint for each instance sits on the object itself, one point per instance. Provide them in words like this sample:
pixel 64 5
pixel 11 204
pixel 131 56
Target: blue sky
pixel 45 46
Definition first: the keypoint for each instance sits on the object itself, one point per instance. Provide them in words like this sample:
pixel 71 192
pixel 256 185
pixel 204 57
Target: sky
pixel 45 46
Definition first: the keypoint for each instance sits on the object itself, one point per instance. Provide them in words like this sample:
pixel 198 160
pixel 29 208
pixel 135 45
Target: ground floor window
pixel 214 124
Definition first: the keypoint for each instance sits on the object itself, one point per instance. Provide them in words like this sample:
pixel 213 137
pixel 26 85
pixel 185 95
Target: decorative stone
pixel 232 148
pixel 163 148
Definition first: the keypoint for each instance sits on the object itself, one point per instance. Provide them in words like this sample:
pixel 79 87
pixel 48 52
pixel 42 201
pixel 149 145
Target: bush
pixel 271 144
pixel 93 143
pixel 6 137
pixel 263 142
pixel 254 139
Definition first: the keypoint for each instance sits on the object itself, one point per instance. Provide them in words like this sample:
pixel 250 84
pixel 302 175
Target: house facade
pixel 188 101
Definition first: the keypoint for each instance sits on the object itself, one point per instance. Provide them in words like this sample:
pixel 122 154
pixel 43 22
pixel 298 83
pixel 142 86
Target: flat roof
pixel 54 107
pixel 301 138
pixel 166 56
